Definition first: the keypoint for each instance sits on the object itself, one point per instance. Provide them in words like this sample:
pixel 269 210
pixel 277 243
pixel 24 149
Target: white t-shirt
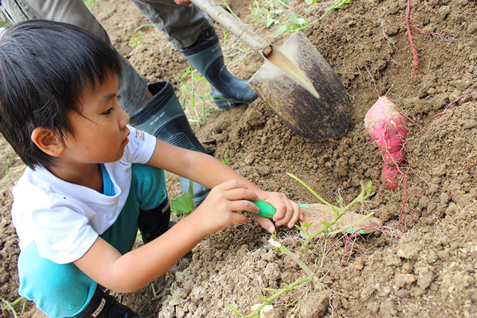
pixel 65 219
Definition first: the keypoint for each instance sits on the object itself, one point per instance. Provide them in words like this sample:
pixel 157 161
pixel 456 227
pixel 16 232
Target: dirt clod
pixel 315 305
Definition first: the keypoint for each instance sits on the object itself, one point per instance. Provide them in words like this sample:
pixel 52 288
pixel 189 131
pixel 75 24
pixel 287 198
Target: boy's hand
pixel 219 208
pixel 288 212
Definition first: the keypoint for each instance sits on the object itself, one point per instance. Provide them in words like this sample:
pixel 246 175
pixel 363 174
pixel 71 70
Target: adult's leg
pixel 191 31
pixel 164 118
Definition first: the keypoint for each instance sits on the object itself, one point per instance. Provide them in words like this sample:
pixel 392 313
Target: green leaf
pixel 234 309
pixel 281 30
pixel 369 187
pixel 225 161
pixel 338 5
pixel 271 22
pixel 341 3
pixel 185 202
pixel 294 19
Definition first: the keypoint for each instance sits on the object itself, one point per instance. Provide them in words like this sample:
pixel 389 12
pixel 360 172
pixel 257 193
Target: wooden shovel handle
pixel 234 25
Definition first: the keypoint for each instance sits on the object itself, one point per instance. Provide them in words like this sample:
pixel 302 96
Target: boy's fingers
pixel 182 2
pixel 281 213
pixel 243 205
pixel 239 218
pixel 289 213
pixel 296 214
pixel 265 223
pixel 241 194
pixel 232 184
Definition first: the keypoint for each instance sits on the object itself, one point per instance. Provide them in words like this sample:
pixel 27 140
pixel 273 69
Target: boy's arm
pixel 135 269
pixel 211 172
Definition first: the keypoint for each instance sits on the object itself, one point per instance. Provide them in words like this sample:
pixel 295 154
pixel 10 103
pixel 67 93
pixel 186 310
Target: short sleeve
pixel 140 147
pixel 61 234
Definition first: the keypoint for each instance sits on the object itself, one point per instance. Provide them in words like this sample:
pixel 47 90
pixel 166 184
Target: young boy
pixel 92 180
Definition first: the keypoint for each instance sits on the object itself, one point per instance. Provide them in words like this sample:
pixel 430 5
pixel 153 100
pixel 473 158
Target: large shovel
pixel 295 80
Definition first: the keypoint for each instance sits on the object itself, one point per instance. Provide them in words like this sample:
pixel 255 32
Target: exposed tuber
pixel 388 129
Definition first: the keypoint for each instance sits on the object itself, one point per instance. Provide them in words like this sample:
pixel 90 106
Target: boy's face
pixel 100 132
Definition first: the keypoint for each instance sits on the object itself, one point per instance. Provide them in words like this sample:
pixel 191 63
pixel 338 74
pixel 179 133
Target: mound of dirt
pixel 420 263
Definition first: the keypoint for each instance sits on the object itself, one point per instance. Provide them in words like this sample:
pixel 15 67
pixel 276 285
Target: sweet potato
pixel 388 129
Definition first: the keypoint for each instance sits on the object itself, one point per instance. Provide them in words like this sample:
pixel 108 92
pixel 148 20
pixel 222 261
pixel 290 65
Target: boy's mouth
pixel 126 140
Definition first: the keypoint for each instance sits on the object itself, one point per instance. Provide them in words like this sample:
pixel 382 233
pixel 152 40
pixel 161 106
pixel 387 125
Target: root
pixel 455 101
pixel 414 53
pixel 377 227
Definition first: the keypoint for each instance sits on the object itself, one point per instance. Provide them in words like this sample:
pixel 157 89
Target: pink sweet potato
pixel 389 175
pixel 388 129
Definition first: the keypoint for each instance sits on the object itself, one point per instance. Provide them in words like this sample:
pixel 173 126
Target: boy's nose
pixel 124 120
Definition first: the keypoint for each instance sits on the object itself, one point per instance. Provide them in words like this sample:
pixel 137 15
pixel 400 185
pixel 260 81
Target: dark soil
pixel 423 263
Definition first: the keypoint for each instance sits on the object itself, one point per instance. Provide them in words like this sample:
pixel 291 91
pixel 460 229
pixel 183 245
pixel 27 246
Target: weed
pixel 184 204
pixel 89 3
pixel 138 239
pixel 266 301
pixel 224 44
pixel 9 169
pixel 337 5
pixel 9 306
pixel 265 12
pixel 225 159
pixel 225 4
pixel 143 26
pixel 297 24
pixel 137 40
pixel 189 89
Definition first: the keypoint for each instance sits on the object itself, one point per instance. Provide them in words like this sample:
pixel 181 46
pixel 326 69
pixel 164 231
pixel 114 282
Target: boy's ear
pixel 47 141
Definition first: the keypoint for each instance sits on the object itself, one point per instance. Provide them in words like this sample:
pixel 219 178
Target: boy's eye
pixel 108 111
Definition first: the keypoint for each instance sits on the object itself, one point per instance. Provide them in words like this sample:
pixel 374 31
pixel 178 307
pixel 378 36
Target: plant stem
pixel 297 260
pixel 365 193
pixel 311 190
pixel 278 294
pixel 352 224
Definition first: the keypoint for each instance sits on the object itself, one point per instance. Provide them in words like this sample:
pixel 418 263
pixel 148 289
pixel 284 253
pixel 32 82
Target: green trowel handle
pixel 266 209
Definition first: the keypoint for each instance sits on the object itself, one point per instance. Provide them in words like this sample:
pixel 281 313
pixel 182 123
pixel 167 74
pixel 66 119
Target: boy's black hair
pixel 45 67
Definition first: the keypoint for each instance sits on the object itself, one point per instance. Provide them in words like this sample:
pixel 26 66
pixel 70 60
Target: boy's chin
pixel 115 158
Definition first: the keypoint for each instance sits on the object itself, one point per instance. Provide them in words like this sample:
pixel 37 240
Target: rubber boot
pixel 163 117
pixel 155 222
pixel 206 56
pixel 103 305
